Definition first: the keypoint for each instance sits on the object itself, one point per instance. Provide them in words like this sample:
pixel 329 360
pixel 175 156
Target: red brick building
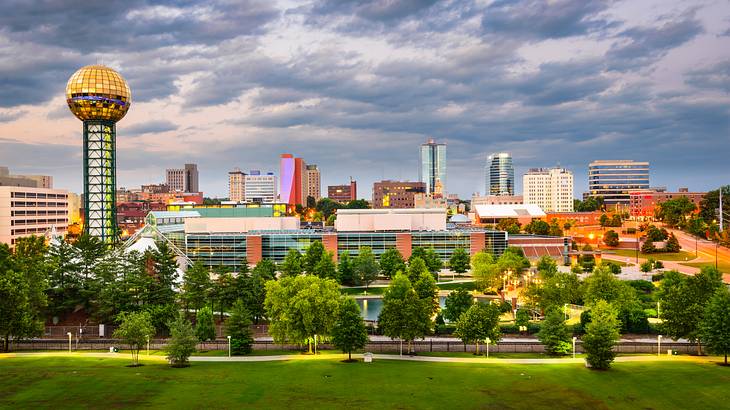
pixel 643 204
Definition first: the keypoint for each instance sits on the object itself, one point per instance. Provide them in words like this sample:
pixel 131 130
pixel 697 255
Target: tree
pixel 301 307
pixel 349 332
pixel 292 264
pixel 558 290
pixel 603 285
pixel 547 267
pixel 312 257
pixel 509 225
pixel 610 238
pixel 253 293
pixel 427 291
pixel 327 207
pixel 554 335
pixel 204 325
pixel 404 315
pixel 365 266
pixel 602 334
pixel 479 322
pixel 715 326
pixel 165 273
pixel 655 234
pixel 711 203
pixel 603 220
pixel 346 270
pixel 196 286
pixel 674 212
pixel 484 270
pixel 537 227
pixel 684 300
pixel 460 261
pixel 16 315
pixel 265 268
pixel 648 247
pixel 672 244
pixel 522 317
pixel 64 281
pixel 238 327
pixel 135 330
pixel 416 266
pixel 358 204
pixel 391 262
pixel 589 205
pixel 429 256
pixel 29 259
pixel 326 267
pixel 457 302
pixel 182 341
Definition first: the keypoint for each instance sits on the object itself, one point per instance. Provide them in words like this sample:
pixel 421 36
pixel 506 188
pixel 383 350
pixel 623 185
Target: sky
pixel 356 86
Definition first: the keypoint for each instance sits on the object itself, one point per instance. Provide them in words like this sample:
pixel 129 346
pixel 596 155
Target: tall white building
pixel 236 185
pixel 499 175
pixel 550 189
pixel 260 188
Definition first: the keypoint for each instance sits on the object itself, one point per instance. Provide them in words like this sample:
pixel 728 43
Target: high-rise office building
pixel 314 184
pixel 432 168
pixel 343 193
pixel 499 175
pixel 183 179
pixel 293 184
pixel 396 194
pixel 550 189
pixel 236 185
pixel 260 188
pixel 614 180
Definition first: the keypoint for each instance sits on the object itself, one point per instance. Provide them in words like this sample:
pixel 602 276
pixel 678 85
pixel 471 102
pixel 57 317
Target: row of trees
pixel 535 227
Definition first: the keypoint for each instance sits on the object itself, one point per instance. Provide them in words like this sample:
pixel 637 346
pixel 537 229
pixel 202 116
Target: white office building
pixel 260 188
pixel 26 211
pixel 550 189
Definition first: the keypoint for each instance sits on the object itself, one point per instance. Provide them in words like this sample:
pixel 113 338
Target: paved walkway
pixel 438 359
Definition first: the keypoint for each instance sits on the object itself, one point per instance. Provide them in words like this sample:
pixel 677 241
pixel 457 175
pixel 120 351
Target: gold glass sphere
pixel 96 92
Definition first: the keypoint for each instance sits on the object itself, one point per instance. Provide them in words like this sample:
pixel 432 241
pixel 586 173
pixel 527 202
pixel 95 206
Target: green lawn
pixel 722 265
pixel 77 382
pixel 679 256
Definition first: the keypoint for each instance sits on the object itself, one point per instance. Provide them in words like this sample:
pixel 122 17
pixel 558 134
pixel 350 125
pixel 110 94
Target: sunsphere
pixel 97 92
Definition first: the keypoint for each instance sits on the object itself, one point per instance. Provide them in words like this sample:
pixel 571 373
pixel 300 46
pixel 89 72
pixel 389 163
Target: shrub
pixel 648 246
pixel 204 326
pixel 554 335
pixel 522 317
pixel 657 277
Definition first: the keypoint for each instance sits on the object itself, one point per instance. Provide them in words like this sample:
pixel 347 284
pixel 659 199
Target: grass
pixel 675 257
pixel 723 265
pixel 78 382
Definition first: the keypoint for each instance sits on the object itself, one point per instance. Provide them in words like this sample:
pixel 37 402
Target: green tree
pixel 427 290
pixel 457 302
pixel 182 341
pixel 29 258
pixel 327 207
pixel 429 256
pixel 715 326
pixel 684 300
pixel 326 267
pixel 404 315
pixel 459 261
pixel 602 334
pixel 603 285
pixel 204 324
pixel 292 264
pixel 365 266
pixel 253 293
pixel 358 204
pixel 266 269
pixel 522 317
pixel 391 262
pixel 64 281
pixel 165 272
pixel 537 227
pixel 555 229
pixel 349 332
pixel 484 270
pixel 416 266
pixel 301 307
pixel 674 212
pixel 135 330
pixel 556 291
pixel 16 315
pixel 547 267
pixel 509 225
pixel 479 322
pixel 238 327
pixel 346 270
pixel 196 286
pixel 226 291
pixel 554 334
pixel 610 238
pixel 312 257
pixel 672 244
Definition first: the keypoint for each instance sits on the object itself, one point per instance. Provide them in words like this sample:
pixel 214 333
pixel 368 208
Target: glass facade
pixel 615 180
pixel 432 171
pixel 351 242
pixel 499 175
pixel 216 250
pixel 275 246
pixel 443 242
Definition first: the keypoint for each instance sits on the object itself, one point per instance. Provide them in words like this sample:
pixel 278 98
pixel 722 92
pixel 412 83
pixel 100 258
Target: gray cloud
pixel 150 127
pixel 540 19
pixel 12 115
pixel 713 78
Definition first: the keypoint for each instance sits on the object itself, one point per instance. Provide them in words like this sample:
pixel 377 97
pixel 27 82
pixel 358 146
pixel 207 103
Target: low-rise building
pixel 396 194
pixel 343 193
pixel 643 204
pixel 492 214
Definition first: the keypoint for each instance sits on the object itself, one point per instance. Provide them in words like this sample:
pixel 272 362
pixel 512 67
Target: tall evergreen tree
pixel 346 270
pixel 349 332
pixel 292 264
pixel 238 327
pixel 326 267
pixel 196 286
pixel 312 257
pixel 366 267
pixel 391 262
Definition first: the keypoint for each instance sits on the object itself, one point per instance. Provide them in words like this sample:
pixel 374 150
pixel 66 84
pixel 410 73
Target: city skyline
pixel 585 81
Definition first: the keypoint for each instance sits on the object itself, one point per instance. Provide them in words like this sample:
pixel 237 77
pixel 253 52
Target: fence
pixel 86 332
pixel 373 346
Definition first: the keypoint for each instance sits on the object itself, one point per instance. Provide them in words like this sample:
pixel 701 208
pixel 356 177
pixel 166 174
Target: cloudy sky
pixel 355 86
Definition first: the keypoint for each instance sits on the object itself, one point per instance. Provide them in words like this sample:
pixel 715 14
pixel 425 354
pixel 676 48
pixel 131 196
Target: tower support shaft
pixel 100 180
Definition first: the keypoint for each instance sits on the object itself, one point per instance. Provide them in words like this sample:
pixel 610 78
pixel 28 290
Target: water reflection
pixel 370 308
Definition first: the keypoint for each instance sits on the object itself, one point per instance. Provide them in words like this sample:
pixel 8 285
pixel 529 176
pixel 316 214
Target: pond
pixel 370 308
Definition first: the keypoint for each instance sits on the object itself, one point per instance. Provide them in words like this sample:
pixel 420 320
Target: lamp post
pixel 488 341
pixel 574 339
pixel 229 346
pixel 69 341
pixel 659 345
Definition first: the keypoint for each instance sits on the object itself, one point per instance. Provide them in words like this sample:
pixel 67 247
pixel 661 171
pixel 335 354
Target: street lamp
pixel 229 346
pixel 69 341
pixel 659 345
pixel 574 339
pixel 488 341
